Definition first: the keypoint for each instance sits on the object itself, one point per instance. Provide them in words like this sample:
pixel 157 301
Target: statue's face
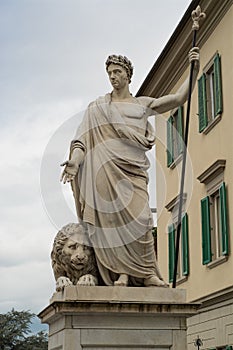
pixel 117 76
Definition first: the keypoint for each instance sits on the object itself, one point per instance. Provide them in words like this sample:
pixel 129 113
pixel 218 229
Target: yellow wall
pixel 203 150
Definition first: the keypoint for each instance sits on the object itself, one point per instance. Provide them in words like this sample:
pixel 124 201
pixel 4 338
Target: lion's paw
pixel 62 282
pixel 87 280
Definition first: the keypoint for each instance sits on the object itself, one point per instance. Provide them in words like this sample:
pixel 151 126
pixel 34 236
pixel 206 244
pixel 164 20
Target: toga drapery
pixel 110 189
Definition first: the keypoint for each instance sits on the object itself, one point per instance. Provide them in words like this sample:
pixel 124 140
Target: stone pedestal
pixel 112 318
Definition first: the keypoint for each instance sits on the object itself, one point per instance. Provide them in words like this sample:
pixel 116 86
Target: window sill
pixel 181 280
pixel 217 262
pixel 212 124
pixel 176 161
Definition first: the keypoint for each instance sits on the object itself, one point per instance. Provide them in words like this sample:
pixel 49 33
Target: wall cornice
pixel 213 171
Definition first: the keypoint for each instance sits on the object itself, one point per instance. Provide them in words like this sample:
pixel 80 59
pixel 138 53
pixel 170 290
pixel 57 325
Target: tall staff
pixel 197 15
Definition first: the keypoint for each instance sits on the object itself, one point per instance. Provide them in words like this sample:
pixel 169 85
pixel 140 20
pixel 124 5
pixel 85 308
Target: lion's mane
pixel 60 267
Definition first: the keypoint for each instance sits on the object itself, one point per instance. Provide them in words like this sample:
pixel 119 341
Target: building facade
pixel 205 265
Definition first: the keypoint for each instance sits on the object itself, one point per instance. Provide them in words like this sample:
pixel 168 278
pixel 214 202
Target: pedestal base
pixel 111 318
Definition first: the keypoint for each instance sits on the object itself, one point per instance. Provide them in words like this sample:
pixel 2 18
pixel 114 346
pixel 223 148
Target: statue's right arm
pixel 168 102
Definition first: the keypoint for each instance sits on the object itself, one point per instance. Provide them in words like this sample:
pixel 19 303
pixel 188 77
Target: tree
pixel 15 330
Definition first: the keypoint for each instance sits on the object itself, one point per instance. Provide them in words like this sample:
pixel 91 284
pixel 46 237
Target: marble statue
pixel 73 261
pixel 107 169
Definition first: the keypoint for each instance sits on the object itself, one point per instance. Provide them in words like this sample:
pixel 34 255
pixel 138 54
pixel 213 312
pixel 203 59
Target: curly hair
pixel 122 61
pixel 59 263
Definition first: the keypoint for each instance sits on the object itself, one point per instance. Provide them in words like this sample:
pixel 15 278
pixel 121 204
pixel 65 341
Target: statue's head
pixel 122 61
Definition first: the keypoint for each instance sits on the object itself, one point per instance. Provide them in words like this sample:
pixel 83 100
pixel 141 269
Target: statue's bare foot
pixel 154 281
pixel 122 281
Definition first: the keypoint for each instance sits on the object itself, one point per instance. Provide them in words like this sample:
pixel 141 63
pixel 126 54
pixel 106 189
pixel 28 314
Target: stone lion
pixel 73 260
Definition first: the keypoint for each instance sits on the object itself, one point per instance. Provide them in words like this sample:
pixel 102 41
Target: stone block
pixel 109 318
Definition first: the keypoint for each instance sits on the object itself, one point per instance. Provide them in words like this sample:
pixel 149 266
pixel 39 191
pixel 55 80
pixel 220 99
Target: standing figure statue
pixel 107 169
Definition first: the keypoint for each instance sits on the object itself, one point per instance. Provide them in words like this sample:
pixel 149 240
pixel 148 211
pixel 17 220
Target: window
pixel 183 261
pixel 215 217
pixel 214 225
pixel 174 136
pixel 214 214
pixel 210 95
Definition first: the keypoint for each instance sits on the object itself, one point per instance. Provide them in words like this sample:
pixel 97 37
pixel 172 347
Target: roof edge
pixel 184 20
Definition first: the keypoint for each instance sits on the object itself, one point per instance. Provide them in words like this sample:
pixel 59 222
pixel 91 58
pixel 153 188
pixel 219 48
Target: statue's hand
pixel 70 171
pixel 72 165
pixel 62 282
pixel 194 56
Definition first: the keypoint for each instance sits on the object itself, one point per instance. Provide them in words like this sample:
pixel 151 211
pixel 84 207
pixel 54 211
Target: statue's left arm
pixel 166 103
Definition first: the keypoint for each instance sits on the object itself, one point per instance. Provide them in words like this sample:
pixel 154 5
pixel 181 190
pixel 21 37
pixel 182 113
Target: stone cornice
pixel 174 202
pixel 124 300
pixel 220 296
pixel 69 307
pixel 173 61
pixel 214 170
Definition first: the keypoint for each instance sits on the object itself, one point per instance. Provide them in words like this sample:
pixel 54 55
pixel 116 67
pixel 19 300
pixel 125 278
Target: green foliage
pixel 15 330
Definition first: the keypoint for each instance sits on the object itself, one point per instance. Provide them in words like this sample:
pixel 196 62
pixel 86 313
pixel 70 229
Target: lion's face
pixel 71 256
pixel 75 253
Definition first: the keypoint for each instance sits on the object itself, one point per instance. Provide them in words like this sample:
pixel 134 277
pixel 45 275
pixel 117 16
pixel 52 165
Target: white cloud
pixel 27 285
pixel 26 232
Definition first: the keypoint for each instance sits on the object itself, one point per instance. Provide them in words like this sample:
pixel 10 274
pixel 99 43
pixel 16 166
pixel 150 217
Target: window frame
pixel 211 76
pixel 213 178
pixel 175 137
pixel 215 222
pixel 183 260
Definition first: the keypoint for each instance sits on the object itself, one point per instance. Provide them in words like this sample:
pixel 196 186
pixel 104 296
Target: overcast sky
pixel 52 65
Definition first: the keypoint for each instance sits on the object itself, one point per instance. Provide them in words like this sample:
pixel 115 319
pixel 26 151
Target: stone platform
pixel 109 318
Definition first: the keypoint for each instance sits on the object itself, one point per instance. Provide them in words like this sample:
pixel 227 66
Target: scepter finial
pixel 197 15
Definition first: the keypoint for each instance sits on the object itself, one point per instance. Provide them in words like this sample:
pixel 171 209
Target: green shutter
pixel 202 105
pixel 223 219
pixel 171 251
pixel 217 85
pixel 180 130
pixel 169 141
pixel 185 246
pixel 206 233
pixel 229 347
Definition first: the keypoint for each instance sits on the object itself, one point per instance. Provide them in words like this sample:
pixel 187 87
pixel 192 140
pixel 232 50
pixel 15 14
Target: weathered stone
pixel 73 259
pixel 111 317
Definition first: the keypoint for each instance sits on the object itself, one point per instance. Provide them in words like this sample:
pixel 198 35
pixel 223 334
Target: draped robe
pixel 110 189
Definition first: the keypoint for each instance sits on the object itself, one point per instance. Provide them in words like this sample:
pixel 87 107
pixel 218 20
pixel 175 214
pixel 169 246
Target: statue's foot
pixel 122 281
pixel 154 281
